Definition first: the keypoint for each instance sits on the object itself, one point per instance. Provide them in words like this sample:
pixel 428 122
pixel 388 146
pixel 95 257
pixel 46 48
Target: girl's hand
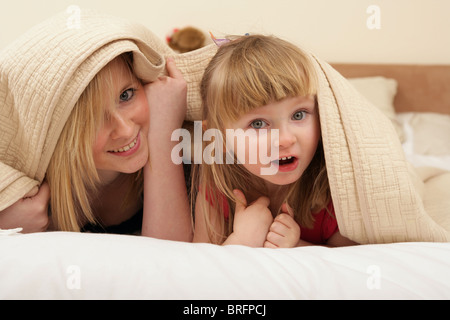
pixel 167 100
pixel 251 222
pixel 284 231
pixel 29 213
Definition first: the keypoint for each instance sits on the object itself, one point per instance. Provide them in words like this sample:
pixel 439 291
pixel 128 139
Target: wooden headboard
pixel 421 88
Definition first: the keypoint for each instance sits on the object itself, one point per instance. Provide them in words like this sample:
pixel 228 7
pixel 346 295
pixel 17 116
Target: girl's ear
pixel 204 125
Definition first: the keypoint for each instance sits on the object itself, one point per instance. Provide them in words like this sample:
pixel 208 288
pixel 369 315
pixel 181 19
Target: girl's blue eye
pixel 127 95
pixel 258 124
pixel 299 115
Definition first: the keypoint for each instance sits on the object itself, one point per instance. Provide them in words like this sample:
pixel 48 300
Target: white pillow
pixel 427 139
pixel 431 133
pixel 380 91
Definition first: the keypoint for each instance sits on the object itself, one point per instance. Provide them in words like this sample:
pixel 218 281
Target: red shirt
pixel 325 225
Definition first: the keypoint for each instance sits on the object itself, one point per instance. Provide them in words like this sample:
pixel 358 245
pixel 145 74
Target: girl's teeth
pixel 128 147
pixel 286 158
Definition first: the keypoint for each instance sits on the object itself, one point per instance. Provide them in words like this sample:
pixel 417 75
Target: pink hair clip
pixel 218 42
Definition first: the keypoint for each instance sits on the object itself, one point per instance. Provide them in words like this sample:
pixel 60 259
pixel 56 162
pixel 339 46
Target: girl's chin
pixel 279 182
pixel 282 178
pixel 136 166
pixel 126 167
pixel 274 176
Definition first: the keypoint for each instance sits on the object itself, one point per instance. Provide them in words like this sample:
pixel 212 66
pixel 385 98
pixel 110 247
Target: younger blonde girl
pixel 253 83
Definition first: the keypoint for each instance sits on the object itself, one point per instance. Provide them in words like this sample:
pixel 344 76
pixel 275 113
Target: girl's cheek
pixel 145 108
pixel 257 151
pixel 142 112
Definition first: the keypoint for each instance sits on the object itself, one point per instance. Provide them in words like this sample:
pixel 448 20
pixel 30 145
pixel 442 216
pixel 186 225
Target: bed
pixel 60 265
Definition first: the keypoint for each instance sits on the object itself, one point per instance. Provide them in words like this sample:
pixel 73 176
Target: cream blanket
pixel 377 197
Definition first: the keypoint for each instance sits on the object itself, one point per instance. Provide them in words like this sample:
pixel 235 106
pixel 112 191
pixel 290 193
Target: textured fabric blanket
pixel 378 196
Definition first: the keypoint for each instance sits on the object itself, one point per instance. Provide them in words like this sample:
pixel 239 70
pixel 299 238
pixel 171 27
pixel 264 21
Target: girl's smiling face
pixel 296 121
pixel 121 143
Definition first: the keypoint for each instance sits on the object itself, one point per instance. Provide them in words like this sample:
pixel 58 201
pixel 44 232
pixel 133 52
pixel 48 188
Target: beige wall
pixel 409 31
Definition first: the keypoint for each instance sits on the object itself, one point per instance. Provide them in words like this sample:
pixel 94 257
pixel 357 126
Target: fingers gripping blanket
pixel 376 193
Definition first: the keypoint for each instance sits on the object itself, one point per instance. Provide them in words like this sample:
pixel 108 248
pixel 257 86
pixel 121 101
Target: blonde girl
pixel 96 174
pixel 253 83
pixel 110 169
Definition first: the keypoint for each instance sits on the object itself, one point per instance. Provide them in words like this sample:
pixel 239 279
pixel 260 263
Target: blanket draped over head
pixel 44 72
pixel 377 196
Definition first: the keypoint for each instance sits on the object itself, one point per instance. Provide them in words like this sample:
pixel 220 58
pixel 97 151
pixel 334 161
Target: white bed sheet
pixel 62 265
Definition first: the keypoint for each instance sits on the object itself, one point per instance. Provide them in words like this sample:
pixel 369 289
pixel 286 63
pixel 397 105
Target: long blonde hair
pixel 72 175
pixel 246 73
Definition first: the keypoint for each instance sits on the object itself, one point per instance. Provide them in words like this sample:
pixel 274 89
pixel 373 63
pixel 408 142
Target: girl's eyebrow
pixel 129 83
pixel 253 114
pixel 307 105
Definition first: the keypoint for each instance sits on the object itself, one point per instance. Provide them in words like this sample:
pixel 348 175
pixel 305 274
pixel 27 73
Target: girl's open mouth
pixel 285 160
pixel 286 164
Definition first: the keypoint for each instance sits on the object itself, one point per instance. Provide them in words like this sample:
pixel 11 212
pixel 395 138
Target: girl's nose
pixel 285 137
pixel 121 126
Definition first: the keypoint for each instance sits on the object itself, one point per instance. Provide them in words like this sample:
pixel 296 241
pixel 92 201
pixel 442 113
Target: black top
pixel 130 226
pixel 134 224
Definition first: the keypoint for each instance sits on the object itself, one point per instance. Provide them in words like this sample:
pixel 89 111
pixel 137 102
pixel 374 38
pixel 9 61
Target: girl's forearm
pixel 166 206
